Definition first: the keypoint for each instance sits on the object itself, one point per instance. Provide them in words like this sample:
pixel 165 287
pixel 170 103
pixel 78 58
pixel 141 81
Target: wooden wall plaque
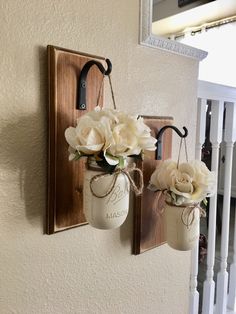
pixel 65 178
pixel 149 230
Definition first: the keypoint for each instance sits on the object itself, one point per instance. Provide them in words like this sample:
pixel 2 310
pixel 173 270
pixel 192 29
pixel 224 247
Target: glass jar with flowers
pixel 107 137
pixel 185 186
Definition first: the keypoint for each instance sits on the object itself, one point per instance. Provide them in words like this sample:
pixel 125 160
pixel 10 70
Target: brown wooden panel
pixel 65 178
pixel 149 231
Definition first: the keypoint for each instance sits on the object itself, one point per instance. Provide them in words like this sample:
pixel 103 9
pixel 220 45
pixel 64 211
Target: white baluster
pixel 201 126
pixel 222 277
pixel 215 138
pixel 232 275
pixel 200 139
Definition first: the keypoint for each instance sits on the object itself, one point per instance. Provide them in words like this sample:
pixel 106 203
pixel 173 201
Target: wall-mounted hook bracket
pixel 81 89
pixel 159 138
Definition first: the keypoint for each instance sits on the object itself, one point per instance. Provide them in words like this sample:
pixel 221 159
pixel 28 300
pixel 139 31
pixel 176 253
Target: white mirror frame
pixel 148 39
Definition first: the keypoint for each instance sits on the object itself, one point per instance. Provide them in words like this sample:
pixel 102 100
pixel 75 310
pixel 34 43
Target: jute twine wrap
pixel 189 211
pixel 111 89
pixel 126 172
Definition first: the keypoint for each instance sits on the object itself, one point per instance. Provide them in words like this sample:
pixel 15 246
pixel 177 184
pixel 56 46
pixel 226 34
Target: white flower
pixel 184 184
pixel 130 137
pixel 145 140
pixel 205 178
pixel 109 133
pixel 124 141
pixel 72 153
pixel 182 180
pixel 161 178
pixel 88 137
pixel 99 113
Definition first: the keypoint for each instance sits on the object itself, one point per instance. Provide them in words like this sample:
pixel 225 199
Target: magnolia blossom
pixel 184 184
pixel 112 133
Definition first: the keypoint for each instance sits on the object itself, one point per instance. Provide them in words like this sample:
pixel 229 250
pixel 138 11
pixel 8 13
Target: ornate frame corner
pixel 146 38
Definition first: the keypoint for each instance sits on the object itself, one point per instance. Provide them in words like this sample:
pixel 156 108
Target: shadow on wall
pixel 24 143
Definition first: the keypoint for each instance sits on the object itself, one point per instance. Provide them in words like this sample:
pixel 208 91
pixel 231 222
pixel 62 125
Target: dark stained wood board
pixel 65 178
pixel 149 229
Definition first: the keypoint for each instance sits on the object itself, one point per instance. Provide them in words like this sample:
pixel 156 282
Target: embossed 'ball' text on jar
pixel 105 211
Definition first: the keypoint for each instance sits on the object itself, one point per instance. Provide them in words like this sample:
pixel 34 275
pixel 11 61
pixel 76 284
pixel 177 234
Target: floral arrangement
pixel 109 136
pixel 184 184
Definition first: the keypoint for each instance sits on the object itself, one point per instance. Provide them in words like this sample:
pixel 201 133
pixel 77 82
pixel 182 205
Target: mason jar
pixel 182 226
pixel 110 211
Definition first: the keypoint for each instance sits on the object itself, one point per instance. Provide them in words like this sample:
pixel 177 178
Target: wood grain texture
pixel 149 230
pixel 65 178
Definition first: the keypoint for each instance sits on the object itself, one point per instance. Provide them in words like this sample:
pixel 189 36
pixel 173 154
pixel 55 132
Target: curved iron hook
pixel 159 135
pixel 162 130
pixel 81 88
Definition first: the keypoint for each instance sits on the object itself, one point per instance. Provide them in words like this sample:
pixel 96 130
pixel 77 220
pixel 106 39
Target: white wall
pixel 81 270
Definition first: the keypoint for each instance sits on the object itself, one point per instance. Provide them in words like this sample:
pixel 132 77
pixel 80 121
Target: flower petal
pixel 89 149
pixel 70 135
pixel 113 161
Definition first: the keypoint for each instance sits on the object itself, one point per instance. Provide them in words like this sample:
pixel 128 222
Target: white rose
pixel 182 184
pixel 124 142
pixel 98 113
pixel 130 136
pixel 188 183
pixel 89 136
pixel 161 177
pixel 139 129
pixel 113 132
pixel 145 140
pixel 193 181
pixel 182 179
pixel 204 179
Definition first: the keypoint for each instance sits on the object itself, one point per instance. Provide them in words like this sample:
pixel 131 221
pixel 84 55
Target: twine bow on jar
pixel 126 172
pixel 189 213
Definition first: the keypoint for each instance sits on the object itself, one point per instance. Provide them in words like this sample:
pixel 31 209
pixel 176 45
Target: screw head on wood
pixel 82 106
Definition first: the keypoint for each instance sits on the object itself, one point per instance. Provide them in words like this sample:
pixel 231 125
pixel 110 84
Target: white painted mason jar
pixel 107 212
pixel 182 227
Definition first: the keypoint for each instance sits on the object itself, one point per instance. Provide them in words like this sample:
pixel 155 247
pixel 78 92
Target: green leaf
pixel 121 162
pixel 205 202
pixel 77 156
pixel 112 160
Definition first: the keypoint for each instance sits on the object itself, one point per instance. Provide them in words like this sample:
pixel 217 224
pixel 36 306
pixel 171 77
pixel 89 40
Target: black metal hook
pixel 159 136
pixel 81 89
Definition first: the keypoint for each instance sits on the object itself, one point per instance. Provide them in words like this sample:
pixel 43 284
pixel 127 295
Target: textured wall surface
pixel 81 270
